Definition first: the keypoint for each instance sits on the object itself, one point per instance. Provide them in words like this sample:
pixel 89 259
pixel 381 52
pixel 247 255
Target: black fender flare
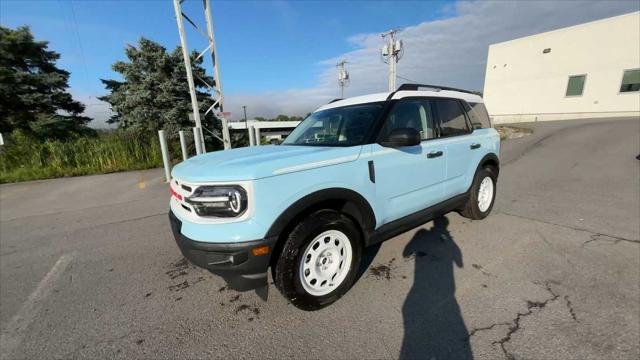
pixel 492 159
pixel 352 203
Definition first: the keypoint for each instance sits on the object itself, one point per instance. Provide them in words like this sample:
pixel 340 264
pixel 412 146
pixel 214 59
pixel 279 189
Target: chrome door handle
pixel 434 154
pixel 474 146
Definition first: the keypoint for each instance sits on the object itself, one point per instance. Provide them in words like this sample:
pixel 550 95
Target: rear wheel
pixel 482 194
pixel 319 260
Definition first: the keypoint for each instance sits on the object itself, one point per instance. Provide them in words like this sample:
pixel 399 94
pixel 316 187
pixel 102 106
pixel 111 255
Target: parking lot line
pixel 11 336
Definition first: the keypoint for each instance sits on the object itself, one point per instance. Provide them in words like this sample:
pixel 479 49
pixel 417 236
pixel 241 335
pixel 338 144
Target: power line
pixel 404 78
pixel 77 33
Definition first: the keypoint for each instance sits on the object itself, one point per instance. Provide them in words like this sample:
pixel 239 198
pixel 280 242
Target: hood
pixel 250 163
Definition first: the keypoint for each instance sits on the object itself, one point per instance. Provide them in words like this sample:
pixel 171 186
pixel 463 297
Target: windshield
pixel 342 126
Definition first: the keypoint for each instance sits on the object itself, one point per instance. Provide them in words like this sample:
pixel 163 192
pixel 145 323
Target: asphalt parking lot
pixel 89 268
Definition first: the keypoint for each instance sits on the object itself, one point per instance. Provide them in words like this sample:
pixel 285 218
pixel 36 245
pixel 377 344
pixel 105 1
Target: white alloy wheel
pixel 485 194
pixel 325 263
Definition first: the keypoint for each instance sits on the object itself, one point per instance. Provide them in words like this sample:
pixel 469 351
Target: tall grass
pixel 24 158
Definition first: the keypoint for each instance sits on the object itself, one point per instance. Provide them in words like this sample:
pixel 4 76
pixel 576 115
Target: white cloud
pixel 450 51
pixel 99 111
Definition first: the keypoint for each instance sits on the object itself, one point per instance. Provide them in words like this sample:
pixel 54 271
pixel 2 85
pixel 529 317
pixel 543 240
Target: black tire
pixel 287 268
pixel 471 209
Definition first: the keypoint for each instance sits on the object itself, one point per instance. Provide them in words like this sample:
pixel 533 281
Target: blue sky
pixel 287 50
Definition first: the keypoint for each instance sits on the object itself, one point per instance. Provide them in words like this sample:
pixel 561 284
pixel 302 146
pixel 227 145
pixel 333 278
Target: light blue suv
pixel 354 173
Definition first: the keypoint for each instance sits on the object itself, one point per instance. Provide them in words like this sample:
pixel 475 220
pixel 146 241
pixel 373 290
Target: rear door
pixel 456 136
pixel 409 179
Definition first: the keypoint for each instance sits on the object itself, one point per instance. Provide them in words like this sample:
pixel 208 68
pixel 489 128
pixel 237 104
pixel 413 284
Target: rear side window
pixel 451 116
pixel 478 114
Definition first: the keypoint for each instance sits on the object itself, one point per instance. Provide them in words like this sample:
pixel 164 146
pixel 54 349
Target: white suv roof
pixel 434 92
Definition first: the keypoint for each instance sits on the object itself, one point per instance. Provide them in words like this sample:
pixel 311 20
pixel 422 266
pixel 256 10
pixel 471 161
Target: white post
pixel 187 65
pixel 226 138
pixel 257 129
pixel 197 139
pixel 165 155
pixel 392 72
pixel 252 136
pixel 183 145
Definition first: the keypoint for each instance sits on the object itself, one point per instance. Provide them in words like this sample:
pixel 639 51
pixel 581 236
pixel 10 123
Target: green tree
pixel 287 118
pixel 153 93
pixel 33 91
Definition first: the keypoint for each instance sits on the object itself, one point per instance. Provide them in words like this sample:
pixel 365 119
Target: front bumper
pixel 234 262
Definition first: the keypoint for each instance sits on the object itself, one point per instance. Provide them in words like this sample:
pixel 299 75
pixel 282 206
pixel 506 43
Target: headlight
pixel 219 201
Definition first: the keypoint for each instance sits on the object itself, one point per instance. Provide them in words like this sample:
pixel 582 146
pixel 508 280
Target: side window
pixel 478 114
pixel 630 81
pixel 575 86
pixel 451 116
pixel 411 113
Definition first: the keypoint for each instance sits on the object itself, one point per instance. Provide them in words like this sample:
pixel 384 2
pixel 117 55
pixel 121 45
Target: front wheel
pixel 319 260
pixel 482 194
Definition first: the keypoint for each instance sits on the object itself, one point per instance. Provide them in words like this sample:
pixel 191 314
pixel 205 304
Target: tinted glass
pixel 452 120
pixel 478 114
pixel 630 81
pixel 411 113
pixel 342 126
pixel 575 85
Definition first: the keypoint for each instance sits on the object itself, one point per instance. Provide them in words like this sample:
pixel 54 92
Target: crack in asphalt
pixel 483 271
pixel 570 307
pixel 616 239
pixel 514 325
pixel 594 234
pixel 133 219
pixel 490 327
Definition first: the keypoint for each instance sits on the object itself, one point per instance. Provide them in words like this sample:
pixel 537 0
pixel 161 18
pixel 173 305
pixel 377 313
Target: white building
pixel 272 131
pixel 584 71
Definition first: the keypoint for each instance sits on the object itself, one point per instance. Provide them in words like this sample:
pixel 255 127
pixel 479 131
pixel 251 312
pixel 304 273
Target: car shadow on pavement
pixel 433 324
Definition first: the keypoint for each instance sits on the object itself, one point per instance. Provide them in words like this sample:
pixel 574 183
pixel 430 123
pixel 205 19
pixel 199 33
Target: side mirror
pixel 402 137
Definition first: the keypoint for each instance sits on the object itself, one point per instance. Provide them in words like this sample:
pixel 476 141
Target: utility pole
pixel 391 53
pixel 244 108
pixel 216 87
pixel 343 76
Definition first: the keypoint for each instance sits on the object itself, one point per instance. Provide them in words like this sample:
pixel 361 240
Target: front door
pixel 409 179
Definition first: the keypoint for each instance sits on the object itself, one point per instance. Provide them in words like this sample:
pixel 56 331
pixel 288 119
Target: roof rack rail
pixel 334 100
pixel 415 87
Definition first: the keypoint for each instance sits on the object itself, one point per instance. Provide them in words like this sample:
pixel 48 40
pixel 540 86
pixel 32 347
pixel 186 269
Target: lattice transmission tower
pixel 215 88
